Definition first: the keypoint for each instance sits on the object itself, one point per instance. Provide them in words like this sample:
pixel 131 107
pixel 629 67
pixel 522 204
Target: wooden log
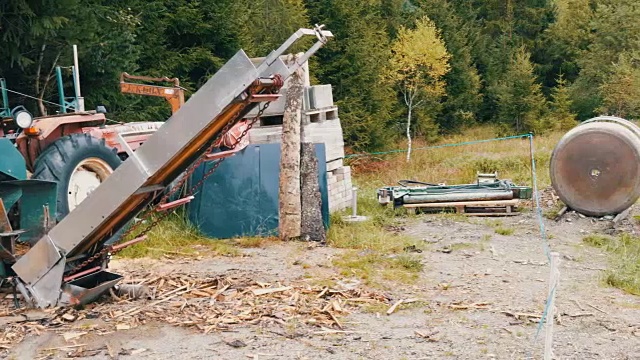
pixel 289 199
pixel 312 227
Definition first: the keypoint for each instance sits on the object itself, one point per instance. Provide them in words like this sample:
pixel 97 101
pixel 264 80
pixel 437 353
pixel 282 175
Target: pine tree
pixel 621 90
pixel 463 83
pixel 613 30
pixel 352 65
pixel 561 116
pixel 521 102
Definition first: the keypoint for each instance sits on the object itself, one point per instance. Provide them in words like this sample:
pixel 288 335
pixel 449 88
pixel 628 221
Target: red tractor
pixel 78 150
pixel 75 148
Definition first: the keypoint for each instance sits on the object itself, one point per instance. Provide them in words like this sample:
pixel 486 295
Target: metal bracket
pixel 321 35
pixel 139 163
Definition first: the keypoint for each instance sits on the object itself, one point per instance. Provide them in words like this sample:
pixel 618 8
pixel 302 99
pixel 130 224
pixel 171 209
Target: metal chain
pixel 175 188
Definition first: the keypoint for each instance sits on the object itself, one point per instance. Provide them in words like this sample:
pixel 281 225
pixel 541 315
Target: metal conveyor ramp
pixel 45 273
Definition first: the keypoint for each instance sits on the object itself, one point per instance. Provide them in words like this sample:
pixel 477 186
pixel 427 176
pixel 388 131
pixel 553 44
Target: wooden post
pixel 289 199
pixel 553 287
pixel 312 226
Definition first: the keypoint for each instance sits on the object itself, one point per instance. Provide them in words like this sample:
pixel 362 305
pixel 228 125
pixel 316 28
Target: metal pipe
pixel 76 79
pixel 354 201
pixel 462 196
pixel 81 273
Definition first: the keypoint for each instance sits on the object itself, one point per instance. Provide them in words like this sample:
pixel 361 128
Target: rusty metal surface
pixel 174 95
pixel 595 168
pixel 51 129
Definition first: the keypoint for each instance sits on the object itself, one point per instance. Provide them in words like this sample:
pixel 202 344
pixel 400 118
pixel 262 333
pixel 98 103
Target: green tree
pixel 268 23
pixel 613 30
pixel 463 83
pixel 521 102
pixel 561 117
pixel 352 65
pixel 418 63
pixel 621 90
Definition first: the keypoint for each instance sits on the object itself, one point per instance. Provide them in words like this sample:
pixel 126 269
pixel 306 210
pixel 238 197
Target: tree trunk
pixel 312 227
pixel 41 107
pixel 289 198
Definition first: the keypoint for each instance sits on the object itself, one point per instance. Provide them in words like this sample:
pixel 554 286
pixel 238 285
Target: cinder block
pixel 320 96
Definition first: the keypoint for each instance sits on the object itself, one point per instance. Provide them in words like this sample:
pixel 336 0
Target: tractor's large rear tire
pixel 78 163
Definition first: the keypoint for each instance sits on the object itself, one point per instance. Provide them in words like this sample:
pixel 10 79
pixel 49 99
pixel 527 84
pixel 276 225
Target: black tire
pixel 59 160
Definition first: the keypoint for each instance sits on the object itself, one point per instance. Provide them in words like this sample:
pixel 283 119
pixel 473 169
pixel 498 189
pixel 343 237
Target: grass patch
pixel 552 212
pixel 380 270
pixel 254 241
pixel 624 260
pixel 459 164
pixel 377 255
pixel 504 231
pixel 176 236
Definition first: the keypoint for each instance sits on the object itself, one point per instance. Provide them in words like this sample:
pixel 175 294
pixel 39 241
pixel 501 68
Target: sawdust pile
pixel 193 301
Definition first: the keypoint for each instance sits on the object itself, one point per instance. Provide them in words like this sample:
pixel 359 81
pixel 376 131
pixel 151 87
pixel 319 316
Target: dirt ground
pixel 481 295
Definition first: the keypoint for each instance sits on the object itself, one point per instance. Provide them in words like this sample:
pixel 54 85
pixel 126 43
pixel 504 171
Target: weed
pixel 552 212
pixel 624 268
pixel 254 241
pixel 504 231
pixel 176 236
pixel 597 240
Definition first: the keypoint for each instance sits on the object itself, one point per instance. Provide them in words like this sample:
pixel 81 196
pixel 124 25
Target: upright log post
pixel 289 199
pixel 312 226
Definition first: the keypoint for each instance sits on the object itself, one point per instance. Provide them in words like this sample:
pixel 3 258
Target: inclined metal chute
pixel 595 167
pixel 44 274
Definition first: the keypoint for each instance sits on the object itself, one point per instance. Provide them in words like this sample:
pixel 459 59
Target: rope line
pixel 31 97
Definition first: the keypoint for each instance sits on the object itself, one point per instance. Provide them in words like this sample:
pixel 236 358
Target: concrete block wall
pixel 339 186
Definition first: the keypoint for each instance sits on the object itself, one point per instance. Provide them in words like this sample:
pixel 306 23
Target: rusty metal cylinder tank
pixel 595 167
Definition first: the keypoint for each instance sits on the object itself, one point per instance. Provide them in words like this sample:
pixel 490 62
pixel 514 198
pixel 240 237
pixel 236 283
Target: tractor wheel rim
pixel 85 178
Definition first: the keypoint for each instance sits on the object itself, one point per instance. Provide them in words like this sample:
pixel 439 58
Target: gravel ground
pixel 474 285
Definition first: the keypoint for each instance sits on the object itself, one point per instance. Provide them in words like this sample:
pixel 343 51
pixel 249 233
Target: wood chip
pixel 259 292
pixel 394 306
pixel 72 335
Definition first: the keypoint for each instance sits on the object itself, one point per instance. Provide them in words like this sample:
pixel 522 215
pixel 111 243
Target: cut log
pixel 312 227
pixel 289 198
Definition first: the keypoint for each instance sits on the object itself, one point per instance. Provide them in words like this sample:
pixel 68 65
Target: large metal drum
pixel 595 168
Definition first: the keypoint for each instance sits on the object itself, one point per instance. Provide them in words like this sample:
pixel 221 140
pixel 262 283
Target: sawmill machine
pixel 67 262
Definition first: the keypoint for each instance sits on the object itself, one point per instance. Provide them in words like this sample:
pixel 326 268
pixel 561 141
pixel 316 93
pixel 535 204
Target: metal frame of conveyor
pixel 180 141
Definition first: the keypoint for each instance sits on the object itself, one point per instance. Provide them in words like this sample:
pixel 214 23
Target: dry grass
pixel 458 165
pixel 176 236
pixel 255 241
pixel 624 269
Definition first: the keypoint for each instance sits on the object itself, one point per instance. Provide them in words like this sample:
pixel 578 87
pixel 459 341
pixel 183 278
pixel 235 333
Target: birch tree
pixel 419 61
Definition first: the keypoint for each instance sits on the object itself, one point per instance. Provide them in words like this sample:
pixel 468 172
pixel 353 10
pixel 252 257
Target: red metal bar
pixel 128 243
pixel 220 155
pixel 173 204
pixel 81 273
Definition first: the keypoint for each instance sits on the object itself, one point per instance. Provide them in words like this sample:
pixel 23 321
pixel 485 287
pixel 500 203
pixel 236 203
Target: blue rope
pixel 543 235
pixel 438 146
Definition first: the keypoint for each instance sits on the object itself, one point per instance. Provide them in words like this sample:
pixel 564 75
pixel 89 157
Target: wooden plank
pixel 493 214
pixel 491 203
